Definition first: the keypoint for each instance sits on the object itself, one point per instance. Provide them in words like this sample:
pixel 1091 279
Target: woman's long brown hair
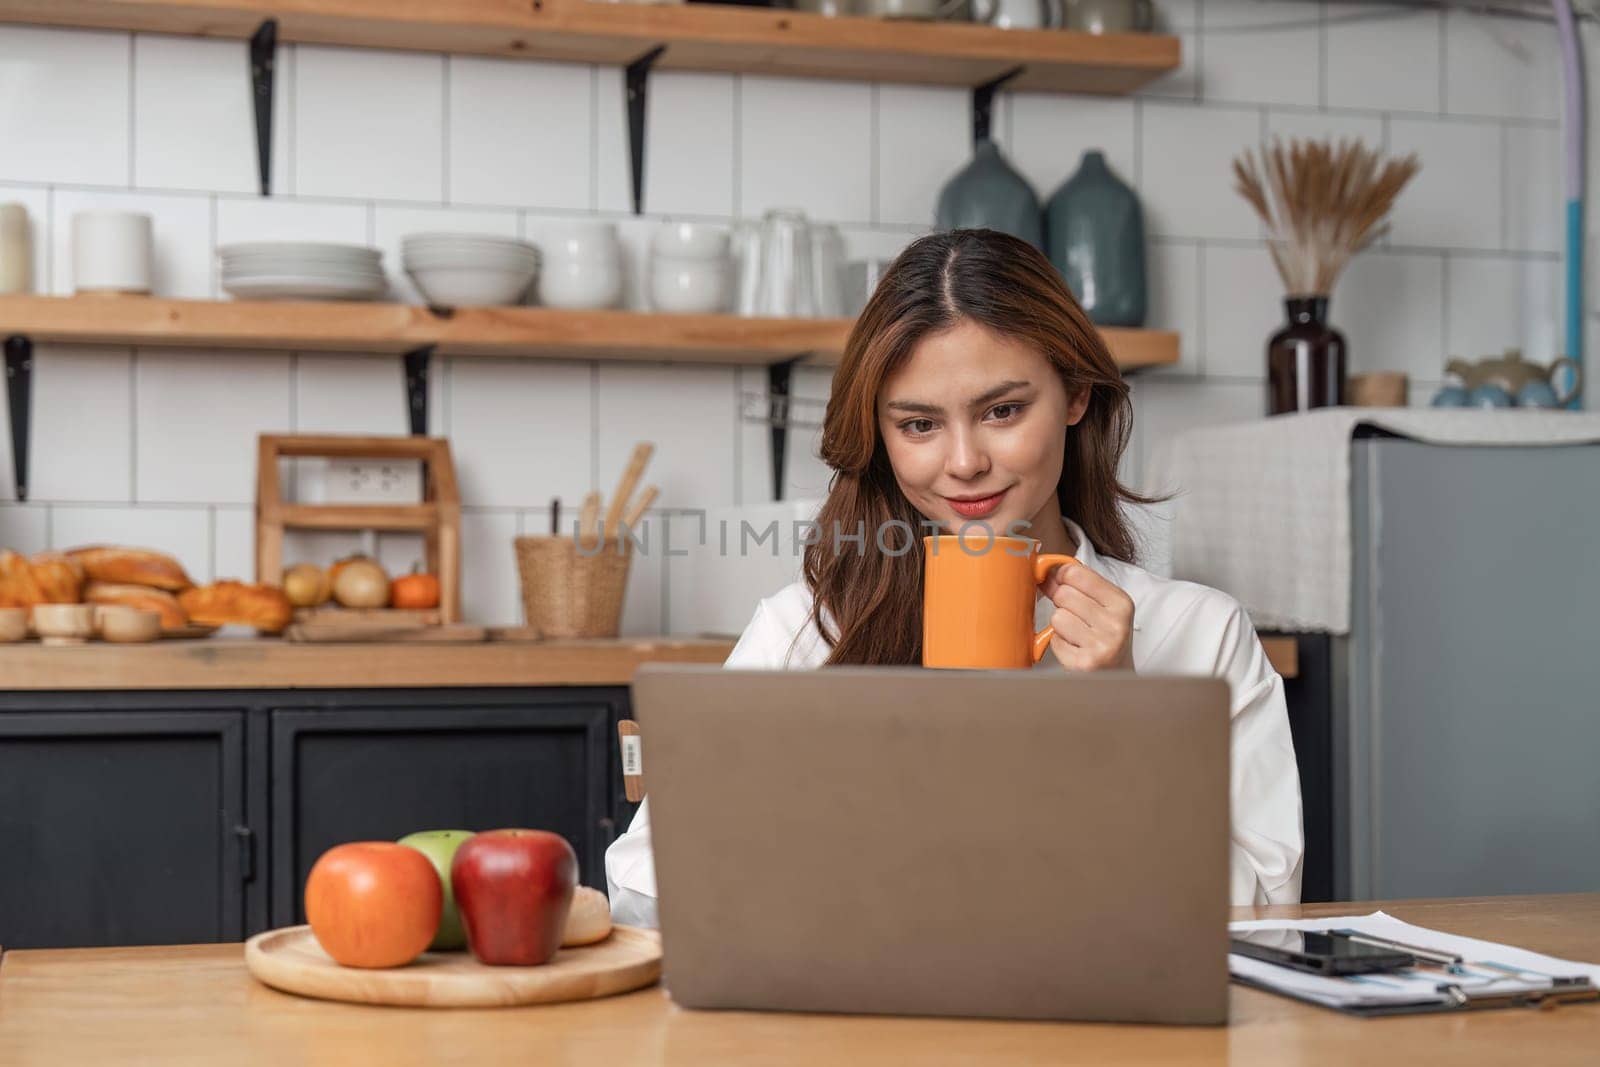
pixel 867 603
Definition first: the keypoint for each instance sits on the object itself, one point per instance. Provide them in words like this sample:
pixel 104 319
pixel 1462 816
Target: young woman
pixel 973 388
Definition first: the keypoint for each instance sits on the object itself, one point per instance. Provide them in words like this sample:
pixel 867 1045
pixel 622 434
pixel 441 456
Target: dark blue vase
pixel 989 194
pixel 1094 233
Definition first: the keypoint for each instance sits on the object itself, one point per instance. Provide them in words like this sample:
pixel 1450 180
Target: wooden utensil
pixel 636 512
pixel 632 760
pixel 291 960
pixel 588 534
pixel 630 478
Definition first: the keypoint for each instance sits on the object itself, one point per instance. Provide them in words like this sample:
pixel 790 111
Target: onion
pixel 361 583
pixel 306 585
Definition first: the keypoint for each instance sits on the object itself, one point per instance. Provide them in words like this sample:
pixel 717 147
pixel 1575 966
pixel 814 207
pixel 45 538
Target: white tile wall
pixel 521 431
pixel 197 419
pixel 519 132
pixel 24 528
pixel 1050 132
pixel 1455 199
pixel 369 124
pixel 806 144
pixel 371 145
pixel 693 431
pixel 924 137
pixel 1536 200
pixel 1388 60
pixel 63 105
pixel 181 232
pixel 1173 282
pixel 1243 63
pixel 1404 329
pixel 1185 181
pixel 1501 66
pixel 1497 304
pixel 1324 125
pixel 193 124
pixel 82 421
pixel 1244 305
pixel 184 532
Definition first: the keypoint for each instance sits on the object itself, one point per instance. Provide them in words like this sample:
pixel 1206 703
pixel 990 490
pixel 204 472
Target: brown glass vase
pixel 1305 359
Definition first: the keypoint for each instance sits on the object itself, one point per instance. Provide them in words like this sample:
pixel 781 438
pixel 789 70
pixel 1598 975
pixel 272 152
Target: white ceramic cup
pixel 689 286
pixel 580 285
pixel 112 251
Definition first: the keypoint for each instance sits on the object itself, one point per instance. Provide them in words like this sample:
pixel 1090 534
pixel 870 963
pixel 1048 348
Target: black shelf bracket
pixel 416 362
pixel 263 68
pixel 780 376
pixel 637 80
pixel 19 394
pixel 983 104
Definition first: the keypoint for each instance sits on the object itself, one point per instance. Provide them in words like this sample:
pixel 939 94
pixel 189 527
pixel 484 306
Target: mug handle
pixel 1042 566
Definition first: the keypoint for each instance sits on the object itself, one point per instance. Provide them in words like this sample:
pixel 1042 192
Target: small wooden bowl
pixel 63 624
pixel 13 625
pixel 126 625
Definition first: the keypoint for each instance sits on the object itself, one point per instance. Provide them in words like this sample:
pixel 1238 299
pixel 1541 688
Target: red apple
pixel 514 888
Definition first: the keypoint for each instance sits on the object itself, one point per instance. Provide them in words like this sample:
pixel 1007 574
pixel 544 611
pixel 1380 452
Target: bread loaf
pixel 230 603
pixel 589 920
pixel 142 597
pixel 18 586
pixel 132 566
pixel 59 577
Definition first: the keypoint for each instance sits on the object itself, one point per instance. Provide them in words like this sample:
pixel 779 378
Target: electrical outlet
pixel 372 481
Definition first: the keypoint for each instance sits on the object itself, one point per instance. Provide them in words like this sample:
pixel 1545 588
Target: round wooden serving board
pixel 291 960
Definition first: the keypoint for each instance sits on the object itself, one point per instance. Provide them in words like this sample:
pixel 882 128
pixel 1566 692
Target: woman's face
pixel 975 425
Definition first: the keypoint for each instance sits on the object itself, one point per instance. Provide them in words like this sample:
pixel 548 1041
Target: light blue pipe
pixel 1572 68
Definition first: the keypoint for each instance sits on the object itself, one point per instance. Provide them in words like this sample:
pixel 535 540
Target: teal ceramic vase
pixel 1094 234
pixel 989 194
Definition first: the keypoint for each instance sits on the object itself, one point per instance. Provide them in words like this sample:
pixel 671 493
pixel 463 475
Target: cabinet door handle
pixel 245 839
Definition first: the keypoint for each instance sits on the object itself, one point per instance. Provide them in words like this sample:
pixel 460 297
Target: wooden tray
pixel 291 960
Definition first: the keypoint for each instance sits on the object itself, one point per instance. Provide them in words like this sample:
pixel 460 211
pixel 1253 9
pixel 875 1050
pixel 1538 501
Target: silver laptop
pixel 910 842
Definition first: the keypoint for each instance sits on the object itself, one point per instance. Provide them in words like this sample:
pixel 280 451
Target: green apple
pixel 440 848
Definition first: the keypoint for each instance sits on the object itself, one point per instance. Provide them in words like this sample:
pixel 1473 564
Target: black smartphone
pixel 1319 953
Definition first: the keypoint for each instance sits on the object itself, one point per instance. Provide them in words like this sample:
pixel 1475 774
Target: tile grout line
pixel 444 127
pixel 133 103
pixel 594 140
pixel 594 425
pixel 874 156
pixel 1322 55
pixel 133 425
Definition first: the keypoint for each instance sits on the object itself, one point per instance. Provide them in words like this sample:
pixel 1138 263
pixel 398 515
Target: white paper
pixel 1488 968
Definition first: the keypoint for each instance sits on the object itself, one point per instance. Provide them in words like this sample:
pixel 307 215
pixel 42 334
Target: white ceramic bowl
pixel 587 242
pixel 481 240
pixel 689 287
pixel 577 285
pixel 689 240
pixel 471 286
pixel 470 257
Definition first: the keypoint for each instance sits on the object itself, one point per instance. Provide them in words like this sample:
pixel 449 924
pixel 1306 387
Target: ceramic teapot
pixel 1513 376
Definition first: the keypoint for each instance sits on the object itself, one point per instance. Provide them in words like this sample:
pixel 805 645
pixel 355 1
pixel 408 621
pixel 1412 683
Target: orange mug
pixel 978 594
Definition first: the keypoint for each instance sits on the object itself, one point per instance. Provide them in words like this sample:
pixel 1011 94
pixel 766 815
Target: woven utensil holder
pixel 567 593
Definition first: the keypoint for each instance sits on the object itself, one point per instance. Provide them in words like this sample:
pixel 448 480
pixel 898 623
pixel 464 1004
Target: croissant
pixel 230 603
pixel 59 577
pixel 19 588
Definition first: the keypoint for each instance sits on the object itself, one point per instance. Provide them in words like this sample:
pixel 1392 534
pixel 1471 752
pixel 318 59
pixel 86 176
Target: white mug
pixel 1020 14
pixel 111 252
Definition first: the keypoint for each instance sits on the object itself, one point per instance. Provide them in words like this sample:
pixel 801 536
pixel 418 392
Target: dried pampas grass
pixel 1322 203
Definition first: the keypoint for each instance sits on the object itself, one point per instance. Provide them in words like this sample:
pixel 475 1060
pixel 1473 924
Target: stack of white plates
pixel 302 270
pixel 467 269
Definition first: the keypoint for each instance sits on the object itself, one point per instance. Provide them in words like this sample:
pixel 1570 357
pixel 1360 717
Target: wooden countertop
pixel 221 663
pixel 199 1005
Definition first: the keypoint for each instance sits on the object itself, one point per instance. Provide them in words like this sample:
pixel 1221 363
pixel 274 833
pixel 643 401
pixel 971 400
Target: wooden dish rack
pixel 437 517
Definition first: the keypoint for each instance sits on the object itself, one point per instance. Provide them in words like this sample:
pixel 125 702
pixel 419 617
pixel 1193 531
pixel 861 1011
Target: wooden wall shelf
pixel 506 331
pixel 696 37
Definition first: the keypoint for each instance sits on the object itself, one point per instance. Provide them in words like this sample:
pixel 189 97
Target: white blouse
pixel 1178 628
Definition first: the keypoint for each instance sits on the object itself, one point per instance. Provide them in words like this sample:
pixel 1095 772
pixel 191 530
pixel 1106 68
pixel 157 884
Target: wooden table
pixel 199 1005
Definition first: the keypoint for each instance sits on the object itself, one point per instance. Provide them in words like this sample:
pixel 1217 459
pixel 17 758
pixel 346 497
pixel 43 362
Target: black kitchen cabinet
pixel 138 818
pixel 376 773
pixel 121 828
